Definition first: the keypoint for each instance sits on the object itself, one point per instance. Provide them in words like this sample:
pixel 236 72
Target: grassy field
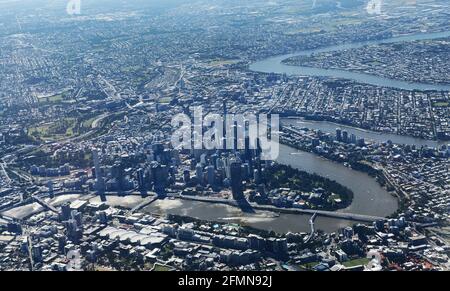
pixel 441 104
pixel 54 130
pixel 51 99
pixel 218 63
pixel 308 266
pixel 88 122
pixel 356 262
pixel 161 268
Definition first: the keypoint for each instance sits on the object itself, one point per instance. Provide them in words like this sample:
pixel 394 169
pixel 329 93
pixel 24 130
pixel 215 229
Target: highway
pixel 4 173
pixel 44 204
pixel 27 233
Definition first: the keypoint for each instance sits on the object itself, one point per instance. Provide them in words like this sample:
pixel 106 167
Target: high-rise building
pixel 245 172
pixel 160 175
pixel 211 175
pixel 186 176
pixel 224 133
pixel 256 177
pixel 345 136
pixel 118 172
pixel 214 158
pixel 65 211
pixel 36 252
pixel 99 185
pixel 338 134
pixel 141 179
pixel 50 189
pixel 199 173
pixel 236 180
pixel 361 142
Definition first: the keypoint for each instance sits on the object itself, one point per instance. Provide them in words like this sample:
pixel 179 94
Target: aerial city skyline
pixel 224 135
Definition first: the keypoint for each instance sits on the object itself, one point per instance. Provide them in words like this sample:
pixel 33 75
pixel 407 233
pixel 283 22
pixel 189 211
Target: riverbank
pixel 274 65
pixel 330 125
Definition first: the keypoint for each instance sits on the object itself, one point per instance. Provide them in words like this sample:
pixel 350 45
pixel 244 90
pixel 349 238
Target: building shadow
pixel 245 206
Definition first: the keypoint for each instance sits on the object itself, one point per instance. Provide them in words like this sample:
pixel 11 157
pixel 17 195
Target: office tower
pixel 258 149
pixel 141 179
pixel 211 175
pixel 158 152
pixel 50 189
pixel 235 136
pixel 353 138
pixel 186 176
pixel 236 180
pixel 258 165
pixel 245 172
pixel 338 134
pixel 74 232
pixel 99 185
pixel 77 216
pixel 65 211
pixel 160 174
pixel 361 142
pixel 224 134
pixel 203 159
pixel 345 136
pixel 36 252
pixel 214 158
pixel 61 242
pixel 199 173
pixel 219 163
pixel 118 173
pixel 256 176
pixel 247 151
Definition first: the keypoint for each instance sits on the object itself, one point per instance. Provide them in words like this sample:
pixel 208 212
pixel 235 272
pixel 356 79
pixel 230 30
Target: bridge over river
pixel 254 206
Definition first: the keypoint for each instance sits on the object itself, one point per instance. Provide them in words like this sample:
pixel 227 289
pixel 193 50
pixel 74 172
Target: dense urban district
pixel 89 179
pixel 416 61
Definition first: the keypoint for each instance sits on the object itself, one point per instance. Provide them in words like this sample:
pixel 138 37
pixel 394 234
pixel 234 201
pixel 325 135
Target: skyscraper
pixel 338 134
pixel 50 189
pixel 160 175
pixel 99 185
pixel 141 179
pixel 236 180
pixel 186 176
pixel 211 173
pixel 224 133
pixel 199 173
pixel 345 136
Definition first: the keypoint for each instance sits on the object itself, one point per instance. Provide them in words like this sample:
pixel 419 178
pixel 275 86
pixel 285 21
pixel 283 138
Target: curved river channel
pixel 275 65
pixel 369 198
